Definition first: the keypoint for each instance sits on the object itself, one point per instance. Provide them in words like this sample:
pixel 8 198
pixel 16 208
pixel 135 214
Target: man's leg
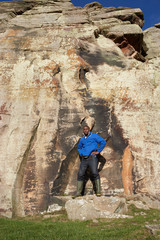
pixel 81 177
pixel 93 164
pixel 93 183
pixel 86 178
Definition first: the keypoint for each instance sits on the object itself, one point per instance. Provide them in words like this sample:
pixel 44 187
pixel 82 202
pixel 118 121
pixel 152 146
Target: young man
pixel 87 149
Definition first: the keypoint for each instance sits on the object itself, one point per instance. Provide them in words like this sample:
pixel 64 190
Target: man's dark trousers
pixel 92 163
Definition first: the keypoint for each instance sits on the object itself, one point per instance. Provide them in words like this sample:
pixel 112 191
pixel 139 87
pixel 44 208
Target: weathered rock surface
pixel 144 201
pixel 92 207
pixel 129 38
pixel 152 42
pixel 58 71
pixel 139 204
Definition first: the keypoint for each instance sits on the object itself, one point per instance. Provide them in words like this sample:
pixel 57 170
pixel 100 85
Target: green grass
pixel 59 227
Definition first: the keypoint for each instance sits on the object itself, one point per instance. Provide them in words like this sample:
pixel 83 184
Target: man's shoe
pixel 98 187
pixel 79 189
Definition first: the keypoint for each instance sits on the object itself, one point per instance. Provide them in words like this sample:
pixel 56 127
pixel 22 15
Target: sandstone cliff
pixel 61 67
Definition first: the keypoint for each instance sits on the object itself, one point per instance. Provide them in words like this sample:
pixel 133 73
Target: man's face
pixel 86 131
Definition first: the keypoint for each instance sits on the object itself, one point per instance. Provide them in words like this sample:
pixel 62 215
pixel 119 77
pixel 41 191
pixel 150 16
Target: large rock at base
pixel 91 207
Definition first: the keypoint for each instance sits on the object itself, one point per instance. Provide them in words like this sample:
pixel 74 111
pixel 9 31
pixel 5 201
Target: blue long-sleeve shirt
pixel 90 143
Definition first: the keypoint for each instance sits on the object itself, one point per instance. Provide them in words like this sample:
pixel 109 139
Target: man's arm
pixel 102 143
pixel 80 147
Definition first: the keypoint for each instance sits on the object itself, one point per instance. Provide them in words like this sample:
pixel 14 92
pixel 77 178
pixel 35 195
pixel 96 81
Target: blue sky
pixel 150 8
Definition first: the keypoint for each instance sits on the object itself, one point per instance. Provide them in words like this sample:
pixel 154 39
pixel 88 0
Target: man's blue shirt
pixel 90 143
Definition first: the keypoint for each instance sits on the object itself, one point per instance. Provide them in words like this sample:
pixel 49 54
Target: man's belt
pixel 85 157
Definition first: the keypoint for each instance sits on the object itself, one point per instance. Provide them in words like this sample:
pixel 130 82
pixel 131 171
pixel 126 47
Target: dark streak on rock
pixel 99 58
pixel 62 179
pixel 17 190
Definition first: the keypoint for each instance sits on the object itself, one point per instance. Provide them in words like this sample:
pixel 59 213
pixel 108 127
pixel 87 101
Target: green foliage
pixel 58 227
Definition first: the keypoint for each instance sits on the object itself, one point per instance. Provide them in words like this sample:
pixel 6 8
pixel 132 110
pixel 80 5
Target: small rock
pixel 47 216
pixel 142 213
pixel 157 25
pixel 42 213
pixel 153 228
pixel 93 4
pixel 95 221
pixel 151 202
pixel 54 208
pixel 139 204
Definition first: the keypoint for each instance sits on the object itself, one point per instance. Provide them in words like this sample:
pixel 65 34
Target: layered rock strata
pixel 64 66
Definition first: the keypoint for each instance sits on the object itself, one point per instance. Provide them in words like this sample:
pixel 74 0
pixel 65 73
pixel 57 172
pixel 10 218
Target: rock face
pixel 152 41
pixel 64 66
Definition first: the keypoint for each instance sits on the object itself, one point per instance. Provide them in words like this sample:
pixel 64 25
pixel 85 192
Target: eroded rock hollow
pixel 62 67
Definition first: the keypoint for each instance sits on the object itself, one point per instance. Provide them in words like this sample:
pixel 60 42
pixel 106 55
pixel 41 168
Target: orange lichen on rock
pixel 50 66
pixel 12 32
pixel 127 162
pixel 124 94
pixel 48 82
pixel 71 52
pixel 3 109
pixel 10 35
pixel 77 60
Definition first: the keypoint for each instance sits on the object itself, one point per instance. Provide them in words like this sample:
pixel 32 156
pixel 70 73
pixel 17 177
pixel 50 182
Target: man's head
pixel 86 130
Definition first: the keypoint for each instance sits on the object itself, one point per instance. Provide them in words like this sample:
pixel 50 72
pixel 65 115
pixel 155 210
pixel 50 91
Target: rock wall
pixel 61 67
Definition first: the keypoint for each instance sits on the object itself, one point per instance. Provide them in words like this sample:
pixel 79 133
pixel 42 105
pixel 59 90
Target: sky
pixel 150 8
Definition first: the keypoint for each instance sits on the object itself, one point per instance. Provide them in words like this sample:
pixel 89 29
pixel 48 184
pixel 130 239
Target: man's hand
pixel 95 153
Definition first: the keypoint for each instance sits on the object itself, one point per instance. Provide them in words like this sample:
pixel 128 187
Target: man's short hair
pixel 86 126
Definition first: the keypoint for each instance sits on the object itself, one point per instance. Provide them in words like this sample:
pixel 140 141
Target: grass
pixel 58 227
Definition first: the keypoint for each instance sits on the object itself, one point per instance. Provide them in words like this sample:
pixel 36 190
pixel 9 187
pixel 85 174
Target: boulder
pixel 92 207
pixel 151 42
pixel 93 5
pixel 157 25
